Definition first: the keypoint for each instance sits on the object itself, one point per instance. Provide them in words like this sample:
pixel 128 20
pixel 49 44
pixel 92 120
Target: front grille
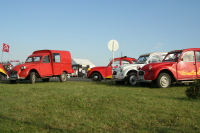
pixel 13 72
pixel 141 73
pixel 114 72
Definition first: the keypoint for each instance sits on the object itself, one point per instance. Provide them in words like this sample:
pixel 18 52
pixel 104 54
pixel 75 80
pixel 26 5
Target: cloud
pixel 158 45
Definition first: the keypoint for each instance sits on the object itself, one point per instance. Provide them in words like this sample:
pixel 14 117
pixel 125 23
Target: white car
pixel 128 73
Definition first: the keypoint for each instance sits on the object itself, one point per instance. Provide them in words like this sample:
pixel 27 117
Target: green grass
pixel 77 106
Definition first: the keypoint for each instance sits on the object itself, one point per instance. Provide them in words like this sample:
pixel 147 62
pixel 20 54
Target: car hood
pixel 158 64
pixel 18 67
pixel 99 67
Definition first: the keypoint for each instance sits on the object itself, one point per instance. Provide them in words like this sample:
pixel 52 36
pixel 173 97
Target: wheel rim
pixel 133 80
pixel 164 81
pixel 63 77
pixel 96 77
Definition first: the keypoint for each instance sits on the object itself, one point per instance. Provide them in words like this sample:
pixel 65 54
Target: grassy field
pixel 96 107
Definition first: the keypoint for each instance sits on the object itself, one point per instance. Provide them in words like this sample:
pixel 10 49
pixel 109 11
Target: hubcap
pixel 96 77
pixel 164 81
pixel 133 80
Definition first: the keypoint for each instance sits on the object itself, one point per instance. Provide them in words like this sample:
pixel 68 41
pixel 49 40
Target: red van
pixel 43 64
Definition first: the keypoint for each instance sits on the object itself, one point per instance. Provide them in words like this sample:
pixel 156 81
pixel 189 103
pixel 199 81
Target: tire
pixel 163 80
pixel 12 81
pixel 96 77
pixel 132 79
pixel 63 77
pixel 45 80
pixel 32 77
pixel 120 82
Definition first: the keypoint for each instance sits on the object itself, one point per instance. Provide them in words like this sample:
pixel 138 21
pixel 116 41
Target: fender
pixel 156 68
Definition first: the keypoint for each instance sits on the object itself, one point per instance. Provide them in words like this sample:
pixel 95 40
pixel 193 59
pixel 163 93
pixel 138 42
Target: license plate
pixel 13 76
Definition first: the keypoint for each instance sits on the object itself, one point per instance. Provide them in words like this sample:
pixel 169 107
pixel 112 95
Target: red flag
pixel 5 47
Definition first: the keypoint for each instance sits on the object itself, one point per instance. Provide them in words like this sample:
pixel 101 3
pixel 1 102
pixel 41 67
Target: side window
pixel 154 58
pixel 116 63
pixel 197 56
pixel 188 56
pixel 56 57
pixel 46 59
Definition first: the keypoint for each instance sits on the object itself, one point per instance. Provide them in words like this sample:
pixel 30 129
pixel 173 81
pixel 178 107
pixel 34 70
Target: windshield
pixel 142 59
pixel 33 59
pixel 171 57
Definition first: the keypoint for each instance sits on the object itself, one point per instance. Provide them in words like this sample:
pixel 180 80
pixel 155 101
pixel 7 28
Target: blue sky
pixel 84 27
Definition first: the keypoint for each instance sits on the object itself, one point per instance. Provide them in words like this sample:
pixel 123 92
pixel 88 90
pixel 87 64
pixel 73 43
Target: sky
pixel 84 27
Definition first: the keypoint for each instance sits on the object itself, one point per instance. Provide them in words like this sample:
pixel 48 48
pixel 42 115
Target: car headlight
pixel 150 68
pixel 23 67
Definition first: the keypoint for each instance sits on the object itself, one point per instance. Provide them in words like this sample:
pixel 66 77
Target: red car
pixel 43 64
pixel 178 66
pixel 105 72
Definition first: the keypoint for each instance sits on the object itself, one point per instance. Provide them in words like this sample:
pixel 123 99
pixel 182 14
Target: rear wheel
pixel 132 79
pixel 32 77
pixel 63 77
pixel 96 77
pixel 45 80
pixel 163 80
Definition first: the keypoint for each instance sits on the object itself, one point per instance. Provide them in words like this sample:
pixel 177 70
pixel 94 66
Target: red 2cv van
pixel 43 64
pixel 178 66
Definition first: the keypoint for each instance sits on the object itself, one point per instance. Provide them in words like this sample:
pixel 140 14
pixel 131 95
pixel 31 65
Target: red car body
pixel 177 66
pixel 105 72
pixel 43 64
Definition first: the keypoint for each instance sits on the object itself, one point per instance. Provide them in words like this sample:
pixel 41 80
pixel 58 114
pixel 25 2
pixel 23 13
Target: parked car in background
pixel 43 64
pixel 105 72
pixel 3 72
pixel 128 73
pixel 181 66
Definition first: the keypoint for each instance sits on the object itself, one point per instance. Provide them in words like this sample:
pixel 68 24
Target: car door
pixel 186 68
pixel 46 67
pixel 109 68
pixel 197 53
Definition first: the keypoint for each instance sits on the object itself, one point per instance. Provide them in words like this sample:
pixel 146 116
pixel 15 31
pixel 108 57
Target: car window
pixel 46 59
pixel 124 62
pixel 154 58
pixel 197 56
pixel 56 57
pixel 188 56
pixel 116 63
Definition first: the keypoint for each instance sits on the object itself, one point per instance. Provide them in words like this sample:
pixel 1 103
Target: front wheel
pixel 32 77
pixel 163 80
pixel 96 77
pixel 63 77
pixel 132 79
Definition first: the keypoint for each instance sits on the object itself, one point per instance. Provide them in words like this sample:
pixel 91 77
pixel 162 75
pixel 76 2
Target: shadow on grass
pixel 38 125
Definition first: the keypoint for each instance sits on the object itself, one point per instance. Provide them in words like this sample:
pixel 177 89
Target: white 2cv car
pixel 128 73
